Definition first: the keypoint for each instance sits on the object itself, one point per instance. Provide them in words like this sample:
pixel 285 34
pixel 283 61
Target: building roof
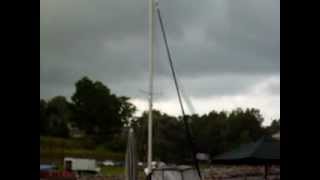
pixel 265 150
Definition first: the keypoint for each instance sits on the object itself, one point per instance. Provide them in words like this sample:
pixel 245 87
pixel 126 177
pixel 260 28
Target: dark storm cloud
pixel 219 47
pixel 237 37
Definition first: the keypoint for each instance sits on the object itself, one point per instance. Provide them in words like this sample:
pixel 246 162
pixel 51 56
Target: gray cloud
pixel 220 47
pixel 274 88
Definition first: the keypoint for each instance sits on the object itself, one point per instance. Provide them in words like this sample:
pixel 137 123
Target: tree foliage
pixel 43 118
pixel 274 127
pixel 99 112
pixel 214 133
pixel 55 116
pixel 104 118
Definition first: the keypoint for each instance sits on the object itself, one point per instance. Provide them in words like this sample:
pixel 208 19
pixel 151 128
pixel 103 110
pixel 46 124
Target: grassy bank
pixel 112 171
pixel 53 150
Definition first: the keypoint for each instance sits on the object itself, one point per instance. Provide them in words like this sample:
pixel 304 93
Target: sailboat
pixel 162 171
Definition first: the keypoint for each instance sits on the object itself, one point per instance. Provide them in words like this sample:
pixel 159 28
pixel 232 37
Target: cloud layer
pixel 227 53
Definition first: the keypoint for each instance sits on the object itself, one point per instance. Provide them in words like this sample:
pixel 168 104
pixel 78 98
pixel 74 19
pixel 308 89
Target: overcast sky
pixel 226 52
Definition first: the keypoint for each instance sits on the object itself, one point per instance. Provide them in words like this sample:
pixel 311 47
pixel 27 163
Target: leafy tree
pixel 210 132
pixel 105 117
pixel 169 140
pixel 98 112
pixel 126 110
pixel 274 127
pixel 43 118
pixel 214 133
pixel 58 115
pixel 217 132
pixel 244 126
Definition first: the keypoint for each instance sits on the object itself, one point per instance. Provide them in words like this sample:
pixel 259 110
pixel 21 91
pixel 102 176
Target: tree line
pixel 103 117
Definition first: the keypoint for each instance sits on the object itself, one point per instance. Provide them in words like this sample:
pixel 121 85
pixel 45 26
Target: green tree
pixel 274 127
pixel 140 126
pixel 214 133
pixel 244 126
pixel 58 113
pixel 43 118
pixel 126 110
pixel 98 112
pixel 210 132
pixel 170 139
pixel 169 142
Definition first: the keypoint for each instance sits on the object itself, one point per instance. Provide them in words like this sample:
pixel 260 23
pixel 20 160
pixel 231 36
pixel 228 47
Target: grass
pixel 53 150
pixel 54 142
pixel 112 171
pixel 59 153
pixel 118 171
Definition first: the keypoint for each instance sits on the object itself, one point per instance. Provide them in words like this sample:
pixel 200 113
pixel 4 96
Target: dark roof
pixel 265 150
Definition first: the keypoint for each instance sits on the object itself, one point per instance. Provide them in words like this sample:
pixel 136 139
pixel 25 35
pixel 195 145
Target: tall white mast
pixel 151 64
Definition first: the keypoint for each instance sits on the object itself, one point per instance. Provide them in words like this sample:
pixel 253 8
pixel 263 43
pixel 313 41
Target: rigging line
pixel 178 92
pixel 187 99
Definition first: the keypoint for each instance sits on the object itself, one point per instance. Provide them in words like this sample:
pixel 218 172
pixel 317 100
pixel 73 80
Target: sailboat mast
pixel 151 74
